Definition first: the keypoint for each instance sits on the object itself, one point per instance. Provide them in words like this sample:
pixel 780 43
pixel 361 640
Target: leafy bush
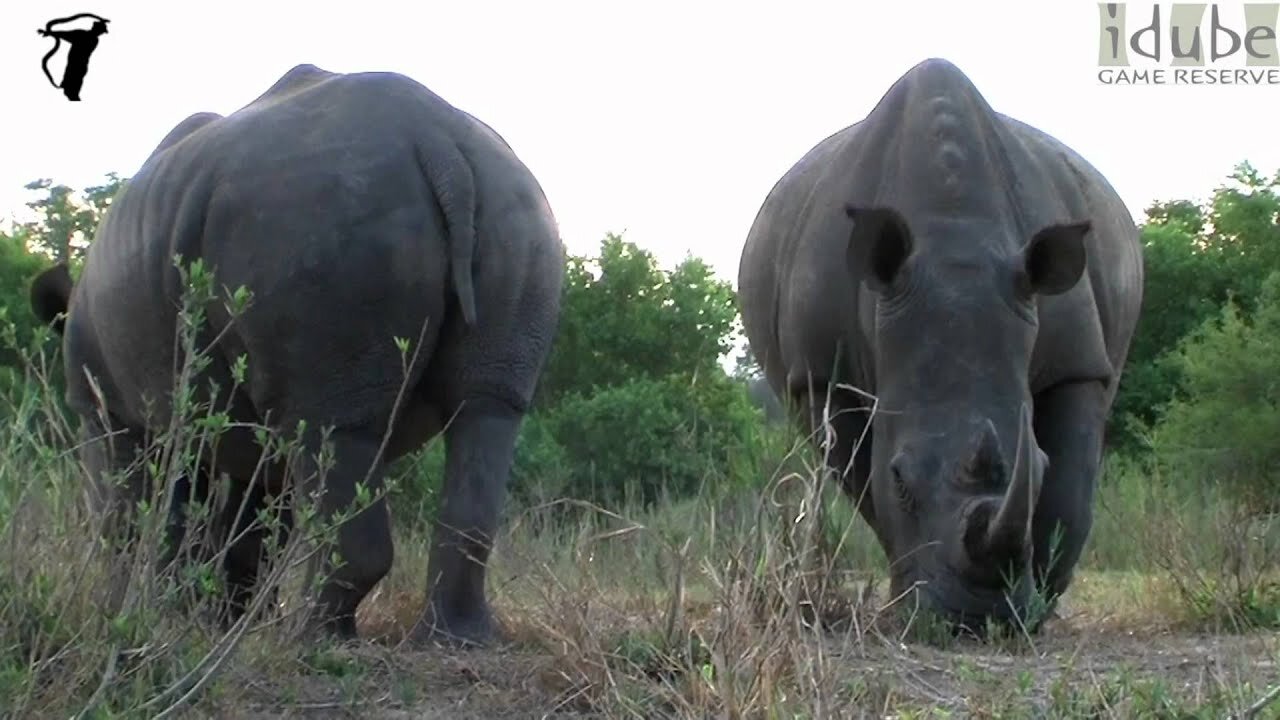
pixel 648 437
pixel 1224 430
pixel 623 317
pixel 1196 256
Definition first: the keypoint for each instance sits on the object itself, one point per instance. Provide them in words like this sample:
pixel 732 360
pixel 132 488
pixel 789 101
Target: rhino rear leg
pixel 363 539
pixel 480 443
pixel 247 539
pixel 185 542
pixel 119 482
pixel 1069 423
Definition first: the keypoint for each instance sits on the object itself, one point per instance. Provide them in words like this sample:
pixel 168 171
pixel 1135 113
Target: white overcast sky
pixel 666 120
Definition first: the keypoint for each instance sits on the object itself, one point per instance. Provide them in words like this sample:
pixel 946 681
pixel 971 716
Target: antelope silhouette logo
pixel 82 42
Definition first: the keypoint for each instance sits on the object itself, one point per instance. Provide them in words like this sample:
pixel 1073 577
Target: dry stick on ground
pixel 1256 709
pixel 37 650
pixel 591 672
pixel 108 677
pixel 208 666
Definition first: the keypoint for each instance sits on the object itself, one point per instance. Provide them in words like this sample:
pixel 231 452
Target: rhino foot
pixel 341 629
pixel 460 632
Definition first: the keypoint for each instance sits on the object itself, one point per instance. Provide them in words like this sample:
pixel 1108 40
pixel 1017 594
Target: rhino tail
pixel 453 184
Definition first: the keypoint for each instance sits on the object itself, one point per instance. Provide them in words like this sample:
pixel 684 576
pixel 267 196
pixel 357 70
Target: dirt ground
pixel 492 685
pixel 1080 665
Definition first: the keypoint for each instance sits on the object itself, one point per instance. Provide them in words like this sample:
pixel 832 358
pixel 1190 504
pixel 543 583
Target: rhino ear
pixel 1054 260
pixel 51 294
pixel 879 244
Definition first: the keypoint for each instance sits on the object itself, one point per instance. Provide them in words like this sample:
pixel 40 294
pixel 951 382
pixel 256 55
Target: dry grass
pixel 1078 669
pixel 576 649
pixel 766 603
pixel 680 613
pixel 746 607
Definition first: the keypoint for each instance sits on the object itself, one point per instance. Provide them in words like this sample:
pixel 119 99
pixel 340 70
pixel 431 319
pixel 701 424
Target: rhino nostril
pixel 974 529
pixel 976 540
pixel 901 487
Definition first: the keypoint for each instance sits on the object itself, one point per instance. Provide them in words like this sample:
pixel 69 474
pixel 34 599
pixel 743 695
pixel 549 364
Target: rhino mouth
pixel 967 609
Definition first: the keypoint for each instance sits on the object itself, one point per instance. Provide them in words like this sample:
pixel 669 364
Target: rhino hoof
pixel 458 633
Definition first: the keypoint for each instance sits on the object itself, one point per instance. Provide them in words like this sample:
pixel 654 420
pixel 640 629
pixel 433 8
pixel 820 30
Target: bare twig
pixel 1262 703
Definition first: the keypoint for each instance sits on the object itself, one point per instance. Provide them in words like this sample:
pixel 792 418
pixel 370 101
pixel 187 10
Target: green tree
pixel 648 437
pixel 623 318
pixel 1224 427
pixel 1198 257
pixel 18 266
pixel 66 224
pixel 635 399
pixel 65 221
pixel 745 366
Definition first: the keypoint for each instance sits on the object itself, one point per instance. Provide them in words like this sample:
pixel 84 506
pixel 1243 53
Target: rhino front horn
pixel 1011 525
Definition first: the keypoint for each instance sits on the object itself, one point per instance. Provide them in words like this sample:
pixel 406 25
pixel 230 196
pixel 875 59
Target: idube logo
pixel 1190 44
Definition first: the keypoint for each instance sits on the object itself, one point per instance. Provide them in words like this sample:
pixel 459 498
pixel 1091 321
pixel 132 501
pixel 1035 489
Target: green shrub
pixel 1197 255
pixel 639 440
pixel 1224 428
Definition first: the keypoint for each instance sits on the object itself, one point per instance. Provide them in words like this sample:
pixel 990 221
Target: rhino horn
pixel 1011 525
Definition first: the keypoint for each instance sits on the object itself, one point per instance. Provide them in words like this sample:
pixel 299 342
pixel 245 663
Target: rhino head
pixel 955 466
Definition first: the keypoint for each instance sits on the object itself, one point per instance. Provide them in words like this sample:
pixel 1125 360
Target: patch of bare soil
pixel 1068 668
pixel 1071 670
pixel 1078 666
pixel 403 684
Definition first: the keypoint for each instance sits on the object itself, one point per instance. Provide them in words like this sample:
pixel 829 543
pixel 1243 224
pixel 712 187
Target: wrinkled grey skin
pixel 356 208
pixel 959 266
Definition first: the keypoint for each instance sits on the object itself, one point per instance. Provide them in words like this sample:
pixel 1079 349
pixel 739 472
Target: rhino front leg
pixel 847 419
pixel 1069 423
pixel 364 544
pixel 117 483
pixel 480 443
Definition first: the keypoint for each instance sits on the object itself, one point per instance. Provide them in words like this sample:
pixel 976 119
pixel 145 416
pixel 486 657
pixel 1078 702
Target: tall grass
pixel 765 602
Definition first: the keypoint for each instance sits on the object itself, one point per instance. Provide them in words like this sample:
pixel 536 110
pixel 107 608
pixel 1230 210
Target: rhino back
pixel 314 197
pixel 772 256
